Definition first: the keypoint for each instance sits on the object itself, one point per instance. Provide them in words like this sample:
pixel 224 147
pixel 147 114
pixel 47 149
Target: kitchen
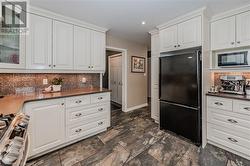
pixel 55 110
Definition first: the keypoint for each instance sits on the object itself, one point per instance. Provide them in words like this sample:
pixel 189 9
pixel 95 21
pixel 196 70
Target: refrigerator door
pixel 179 78
pixel 181 120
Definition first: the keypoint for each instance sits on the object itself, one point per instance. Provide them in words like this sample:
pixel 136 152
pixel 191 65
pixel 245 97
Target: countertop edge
pixel 229 96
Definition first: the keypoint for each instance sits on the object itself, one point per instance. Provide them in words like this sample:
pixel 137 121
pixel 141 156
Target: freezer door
pixel 181 120
pixel 179 76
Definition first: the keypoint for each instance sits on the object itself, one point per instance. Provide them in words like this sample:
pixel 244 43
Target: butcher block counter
pixel 13 103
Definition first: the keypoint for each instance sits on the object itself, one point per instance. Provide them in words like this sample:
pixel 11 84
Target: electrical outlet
pixel 84 80
pixel 45 81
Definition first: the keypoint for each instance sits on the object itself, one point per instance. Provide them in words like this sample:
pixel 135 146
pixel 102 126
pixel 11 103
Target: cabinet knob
pixel 179 45
pixel 232 121
pixel 175 46
pixel 49 65
pixel 54 65
pixel 100 123
pixel 62 104
pixel 100 98
pixel 232 43
pixel 238 42
pixel 92 67
pixel 232 140
pixel 89 67
pixel 100 109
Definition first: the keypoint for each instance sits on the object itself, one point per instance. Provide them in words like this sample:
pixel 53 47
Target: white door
pixel 189 33
pixel 39 43
pixel 47 124
pixel 119 79
pixel 82 48
pixel 243 29
pixel 112 79
pixel 223 33
pixel 98 51
pixel 168 39
pixel 62 45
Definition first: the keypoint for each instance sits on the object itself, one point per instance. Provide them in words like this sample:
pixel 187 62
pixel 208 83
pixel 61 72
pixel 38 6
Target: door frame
pixel 109 58
pixel 124 74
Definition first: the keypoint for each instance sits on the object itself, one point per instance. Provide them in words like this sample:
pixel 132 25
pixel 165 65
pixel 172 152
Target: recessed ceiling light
pixel 143 22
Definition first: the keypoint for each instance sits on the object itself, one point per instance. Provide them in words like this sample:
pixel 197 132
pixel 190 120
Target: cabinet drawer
pixel 83 114
pixel 241 106
pixel 229 120
pixel 230 138
pixel 74 132
pixel 77 101
pixel 100 97
pixel 220 103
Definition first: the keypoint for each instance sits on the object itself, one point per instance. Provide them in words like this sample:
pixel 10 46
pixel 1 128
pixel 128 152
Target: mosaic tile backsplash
pixel 10 82
pixel 218 74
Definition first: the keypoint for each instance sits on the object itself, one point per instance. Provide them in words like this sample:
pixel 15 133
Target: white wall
pixel 136 82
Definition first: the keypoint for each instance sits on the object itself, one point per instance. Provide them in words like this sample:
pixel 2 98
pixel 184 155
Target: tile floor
pixel 134 139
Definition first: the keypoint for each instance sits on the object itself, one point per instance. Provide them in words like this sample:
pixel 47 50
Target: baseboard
pixel 136 107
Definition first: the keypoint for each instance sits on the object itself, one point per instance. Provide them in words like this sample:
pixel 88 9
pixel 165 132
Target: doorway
pixel 115 78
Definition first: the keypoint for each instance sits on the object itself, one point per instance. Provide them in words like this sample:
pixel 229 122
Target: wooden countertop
pixel 230 96
pixel 13 103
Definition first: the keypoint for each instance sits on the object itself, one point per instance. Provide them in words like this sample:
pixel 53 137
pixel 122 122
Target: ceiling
pixel 123 18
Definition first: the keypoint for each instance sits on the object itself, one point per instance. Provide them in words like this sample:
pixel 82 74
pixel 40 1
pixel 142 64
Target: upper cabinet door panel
pixel 189 33
pixel 39 43
pixel 82 48
pixel 223 33
pixel 243 29
pixel 168 39
pixel 62 45
pixel 98 51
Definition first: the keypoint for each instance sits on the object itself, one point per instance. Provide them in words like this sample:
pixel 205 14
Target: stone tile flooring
pixel 135 140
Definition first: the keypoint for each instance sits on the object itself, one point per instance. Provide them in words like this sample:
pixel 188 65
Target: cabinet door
pixel 168 39
pixel 47 125
pixel 243 29
pixel 62 45
pixel 98 50
pixel 155 70
pixel 82 46
pixel 39 43
pixel 189 33
pixel 223 33
pixel 155 103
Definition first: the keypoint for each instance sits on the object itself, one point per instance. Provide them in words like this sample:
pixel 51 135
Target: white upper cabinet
pixel 82 48
pixel 62 45
pixel 189 33
pixel 243 29
pixel 183 35
pixel 97 51
pixel 39 43
pixel 223 33
pixel 168 39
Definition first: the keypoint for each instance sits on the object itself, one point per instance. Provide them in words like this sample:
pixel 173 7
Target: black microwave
pixel 234 59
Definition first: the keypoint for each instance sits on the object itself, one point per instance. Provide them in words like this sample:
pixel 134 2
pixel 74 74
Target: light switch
pixel 45 81
pixel 84 80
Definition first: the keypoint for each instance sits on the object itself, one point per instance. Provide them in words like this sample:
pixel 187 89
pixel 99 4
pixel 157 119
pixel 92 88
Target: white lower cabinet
pixel 47 128
pixel 58 122
pixel 228 124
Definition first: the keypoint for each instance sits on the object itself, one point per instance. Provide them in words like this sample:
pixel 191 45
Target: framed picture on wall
pixel 137 64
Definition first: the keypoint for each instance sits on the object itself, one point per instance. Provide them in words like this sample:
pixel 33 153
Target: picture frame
pixel 138 64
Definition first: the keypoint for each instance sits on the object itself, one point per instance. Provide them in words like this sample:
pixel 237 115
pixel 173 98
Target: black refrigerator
pixel 180 93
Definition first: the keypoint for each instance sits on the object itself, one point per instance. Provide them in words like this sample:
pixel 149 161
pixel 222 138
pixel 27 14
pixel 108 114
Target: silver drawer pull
pixel 100 98
pixel 218 103
pixel 232 140
pixel 247 108
pixel 232 121
pixel 79 114
pixel 78 130
pixel 78 101
pixel 100 123
pixel 100 109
